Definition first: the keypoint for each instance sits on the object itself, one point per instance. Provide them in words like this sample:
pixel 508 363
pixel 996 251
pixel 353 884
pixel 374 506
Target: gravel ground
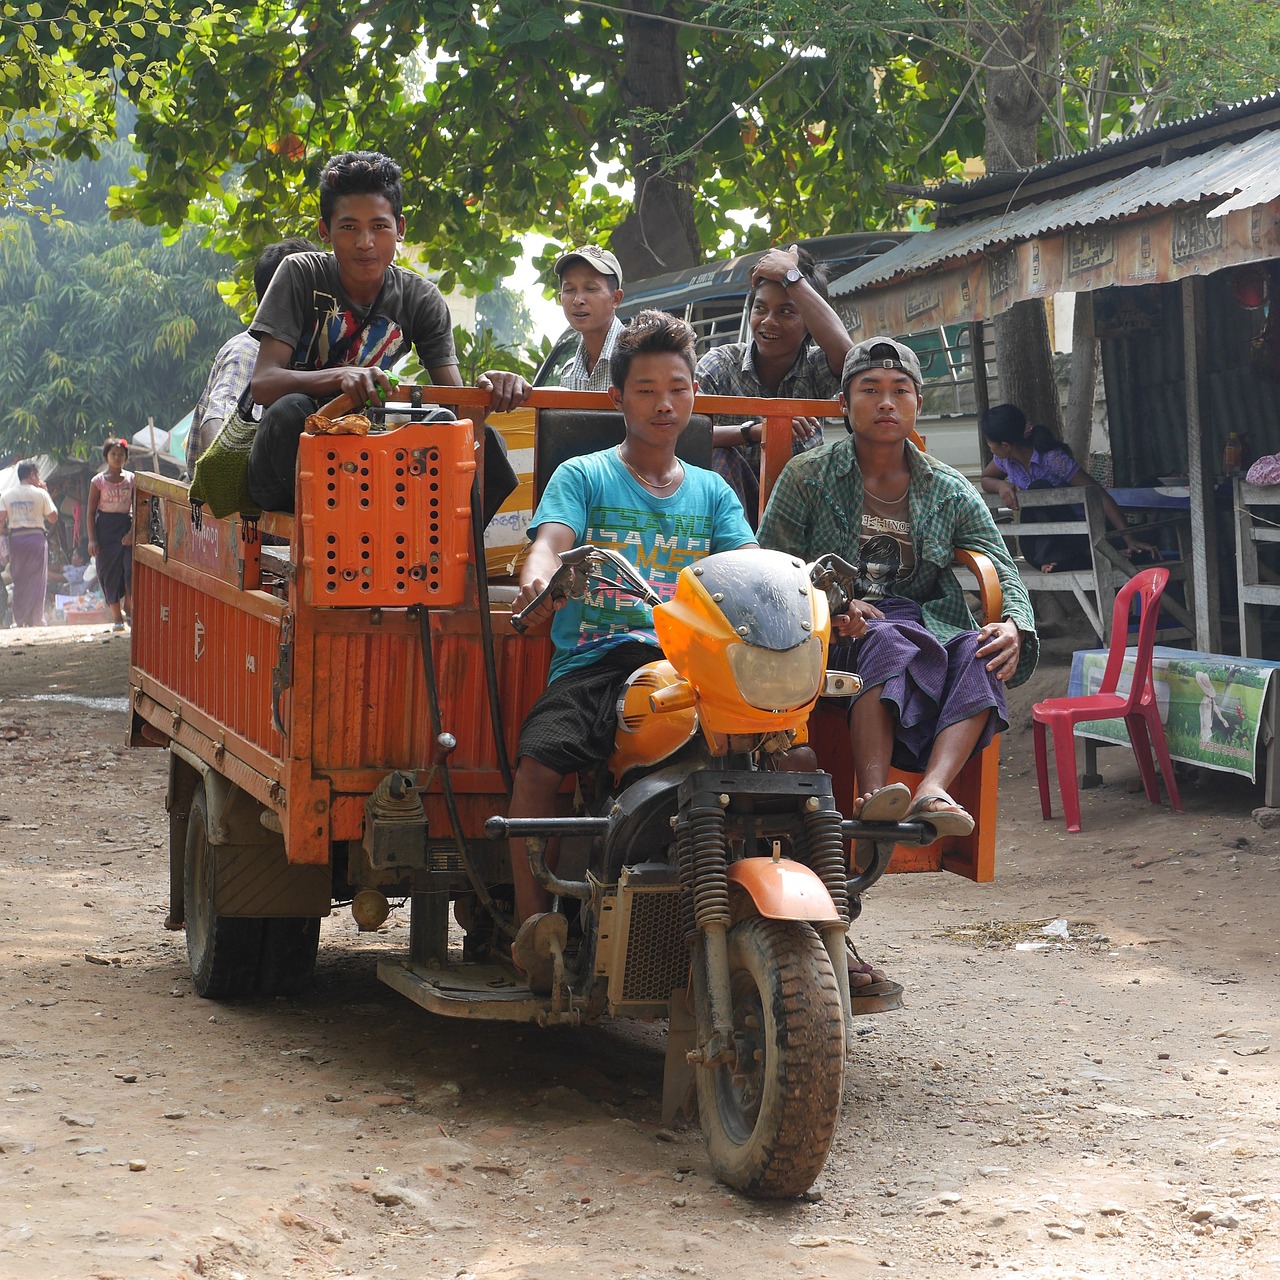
pixel 1081 1084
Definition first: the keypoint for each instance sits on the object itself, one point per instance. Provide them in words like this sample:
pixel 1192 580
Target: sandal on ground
pixel 888 804
pixel 532 952
pixel 949 821
pixel 870 991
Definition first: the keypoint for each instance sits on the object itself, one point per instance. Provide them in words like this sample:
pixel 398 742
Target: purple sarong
pixel 29 567
pixel 927 685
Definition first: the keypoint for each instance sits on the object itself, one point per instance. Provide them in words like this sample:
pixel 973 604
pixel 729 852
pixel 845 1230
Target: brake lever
pixel 835 576
pixel 561 586
pixel 578 566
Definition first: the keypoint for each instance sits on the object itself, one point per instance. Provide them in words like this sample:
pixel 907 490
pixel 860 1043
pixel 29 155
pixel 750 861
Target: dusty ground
pixel 1098 1107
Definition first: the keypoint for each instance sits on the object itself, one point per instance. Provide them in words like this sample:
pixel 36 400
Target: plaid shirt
pixel 576 377
pixel 816 507
pixel 730 370
pixel 231 373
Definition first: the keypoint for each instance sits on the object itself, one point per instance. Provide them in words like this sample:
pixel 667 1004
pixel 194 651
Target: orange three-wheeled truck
pixel 341 690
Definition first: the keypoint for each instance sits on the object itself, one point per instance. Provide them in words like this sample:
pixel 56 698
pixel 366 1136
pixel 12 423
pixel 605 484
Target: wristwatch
pixel 746 429
pixel 794 276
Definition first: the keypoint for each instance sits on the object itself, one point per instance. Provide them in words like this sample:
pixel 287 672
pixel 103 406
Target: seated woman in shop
pixel 1029 456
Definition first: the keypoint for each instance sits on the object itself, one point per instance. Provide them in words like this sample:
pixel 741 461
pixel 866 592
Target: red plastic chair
pixel 1137 708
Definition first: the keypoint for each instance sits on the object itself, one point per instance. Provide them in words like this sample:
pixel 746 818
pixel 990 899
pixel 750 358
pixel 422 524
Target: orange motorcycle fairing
pixel 643 737
pixel 784 890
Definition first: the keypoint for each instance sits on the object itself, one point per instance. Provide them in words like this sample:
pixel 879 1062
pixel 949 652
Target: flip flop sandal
pixel 946 822
pixel 872 997
pixel 531 951
pixel 886 805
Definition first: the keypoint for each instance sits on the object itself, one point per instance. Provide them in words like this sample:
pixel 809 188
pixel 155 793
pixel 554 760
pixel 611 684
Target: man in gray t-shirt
pixel 331 323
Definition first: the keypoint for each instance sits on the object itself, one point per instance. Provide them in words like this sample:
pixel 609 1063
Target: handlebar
pixel 836 576
pixel 578 566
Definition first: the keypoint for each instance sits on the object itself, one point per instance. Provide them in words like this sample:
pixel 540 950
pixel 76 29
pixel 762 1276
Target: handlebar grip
pixel 552 590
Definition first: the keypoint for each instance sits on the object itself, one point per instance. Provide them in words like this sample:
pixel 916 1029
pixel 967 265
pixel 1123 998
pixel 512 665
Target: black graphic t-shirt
pixel 306 307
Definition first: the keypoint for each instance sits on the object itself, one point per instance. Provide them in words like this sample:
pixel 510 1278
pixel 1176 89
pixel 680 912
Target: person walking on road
pixel 111 531
pixel 27 513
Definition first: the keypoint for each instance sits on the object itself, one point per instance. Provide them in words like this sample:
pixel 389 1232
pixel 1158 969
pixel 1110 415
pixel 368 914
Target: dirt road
pixel 1097 1100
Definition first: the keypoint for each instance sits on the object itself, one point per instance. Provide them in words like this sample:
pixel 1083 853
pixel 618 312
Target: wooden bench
pixel 1089 586
pixel 1094 588
pixel 1257 521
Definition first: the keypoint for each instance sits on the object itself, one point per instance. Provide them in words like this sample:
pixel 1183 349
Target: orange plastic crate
pixel 386 518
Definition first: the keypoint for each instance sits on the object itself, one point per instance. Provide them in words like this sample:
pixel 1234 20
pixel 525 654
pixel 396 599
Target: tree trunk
pixel 659 234
pixel 1018 98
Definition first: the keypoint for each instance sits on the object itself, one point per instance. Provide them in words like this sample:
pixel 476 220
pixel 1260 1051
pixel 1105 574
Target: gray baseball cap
pixel 594 256
pixel 881 353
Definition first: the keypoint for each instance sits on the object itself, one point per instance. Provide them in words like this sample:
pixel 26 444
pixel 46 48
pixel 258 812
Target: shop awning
pixel 1158 223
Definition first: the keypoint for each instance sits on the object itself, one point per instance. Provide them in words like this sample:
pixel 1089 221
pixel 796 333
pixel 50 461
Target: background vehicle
pixel 712 297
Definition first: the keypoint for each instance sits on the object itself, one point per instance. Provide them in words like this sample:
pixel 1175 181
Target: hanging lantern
pixel 1249 286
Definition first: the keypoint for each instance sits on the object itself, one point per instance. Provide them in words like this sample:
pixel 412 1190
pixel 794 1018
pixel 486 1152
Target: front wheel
pixel 770 1114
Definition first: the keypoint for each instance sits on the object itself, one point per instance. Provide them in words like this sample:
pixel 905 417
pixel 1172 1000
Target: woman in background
pixel 111 531
pixel 1029 456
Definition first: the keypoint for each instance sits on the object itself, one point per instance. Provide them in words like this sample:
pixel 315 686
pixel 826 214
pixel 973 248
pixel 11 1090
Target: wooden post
pixel 981 388
pixel 1200 473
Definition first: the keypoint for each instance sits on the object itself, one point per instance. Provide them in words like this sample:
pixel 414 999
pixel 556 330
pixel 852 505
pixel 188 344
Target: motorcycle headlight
pixel 773 681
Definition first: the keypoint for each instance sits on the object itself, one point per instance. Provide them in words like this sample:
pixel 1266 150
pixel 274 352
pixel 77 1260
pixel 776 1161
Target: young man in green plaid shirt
pixel 876 483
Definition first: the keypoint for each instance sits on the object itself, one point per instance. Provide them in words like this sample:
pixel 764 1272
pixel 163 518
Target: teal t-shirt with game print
pixel 597 497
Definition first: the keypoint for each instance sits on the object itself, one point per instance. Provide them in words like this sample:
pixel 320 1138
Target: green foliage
pixel 65 66
pixel 511 116
pixel 507 117
pixel 480 352
pixel 503 313
pixel 1118 65
pixel 105 324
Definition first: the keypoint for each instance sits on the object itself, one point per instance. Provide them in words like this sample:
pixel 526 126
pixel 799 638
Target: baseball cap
pixel 594 256
pixel 881 353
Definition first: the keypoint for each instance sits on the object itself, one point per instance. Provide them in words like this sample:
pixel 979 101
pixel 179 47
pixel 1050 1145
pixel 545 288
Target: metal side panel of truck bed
pixel 239 659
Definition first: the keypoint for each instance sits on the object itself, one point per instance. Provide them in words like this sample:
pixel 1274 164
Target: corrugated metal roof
pixel 1237 113
pixel 1242 174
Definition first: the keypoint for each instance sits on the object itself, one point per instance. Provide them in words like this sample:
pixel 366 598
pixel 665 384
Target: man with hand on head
pixel 797 348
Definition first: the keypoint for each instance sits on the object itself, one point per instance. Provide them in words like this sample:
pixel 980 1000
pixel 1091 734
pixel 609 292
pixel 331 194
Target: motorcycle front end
pixel 720 890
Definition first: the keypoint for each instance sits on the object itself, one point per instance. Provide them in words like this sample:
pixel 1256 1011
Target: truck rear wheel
pixel 289 947
pixel 223 951
pixel 770 1115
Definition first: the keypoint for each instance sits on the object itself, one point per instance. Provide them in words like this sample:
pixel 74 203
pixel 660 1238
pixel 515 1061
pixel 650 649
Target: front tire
pixel 770 1115
pixel 223 951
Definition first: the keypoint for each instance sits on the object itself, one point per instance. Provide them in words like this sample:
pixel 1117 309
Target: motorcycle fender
pixel 784 890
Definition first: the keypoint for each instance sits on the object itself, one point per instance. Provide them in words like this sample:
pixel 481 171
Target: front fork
pixel 702 852
pixel 704 876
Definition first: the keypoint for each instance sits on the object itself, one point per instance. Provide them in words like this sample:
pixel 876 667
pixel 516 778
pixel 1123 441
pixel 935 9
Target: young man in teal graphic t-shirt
pixel 661 514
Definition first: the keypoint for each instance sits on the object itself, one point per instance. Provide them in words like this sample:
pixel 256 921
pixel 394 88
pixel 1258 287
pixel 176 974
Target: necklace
pixel 889 502
pixel 651 484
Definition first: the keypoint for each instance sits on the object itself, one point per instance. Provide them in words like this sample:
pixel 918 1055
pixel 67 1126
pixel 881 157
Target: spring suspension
pixel 826 856
pixel 708 866
pixel 684 865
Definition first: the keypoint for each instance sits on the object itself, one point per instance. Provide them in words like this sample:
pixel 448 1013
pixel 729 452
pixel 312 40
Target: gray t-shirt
pixel 306 307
